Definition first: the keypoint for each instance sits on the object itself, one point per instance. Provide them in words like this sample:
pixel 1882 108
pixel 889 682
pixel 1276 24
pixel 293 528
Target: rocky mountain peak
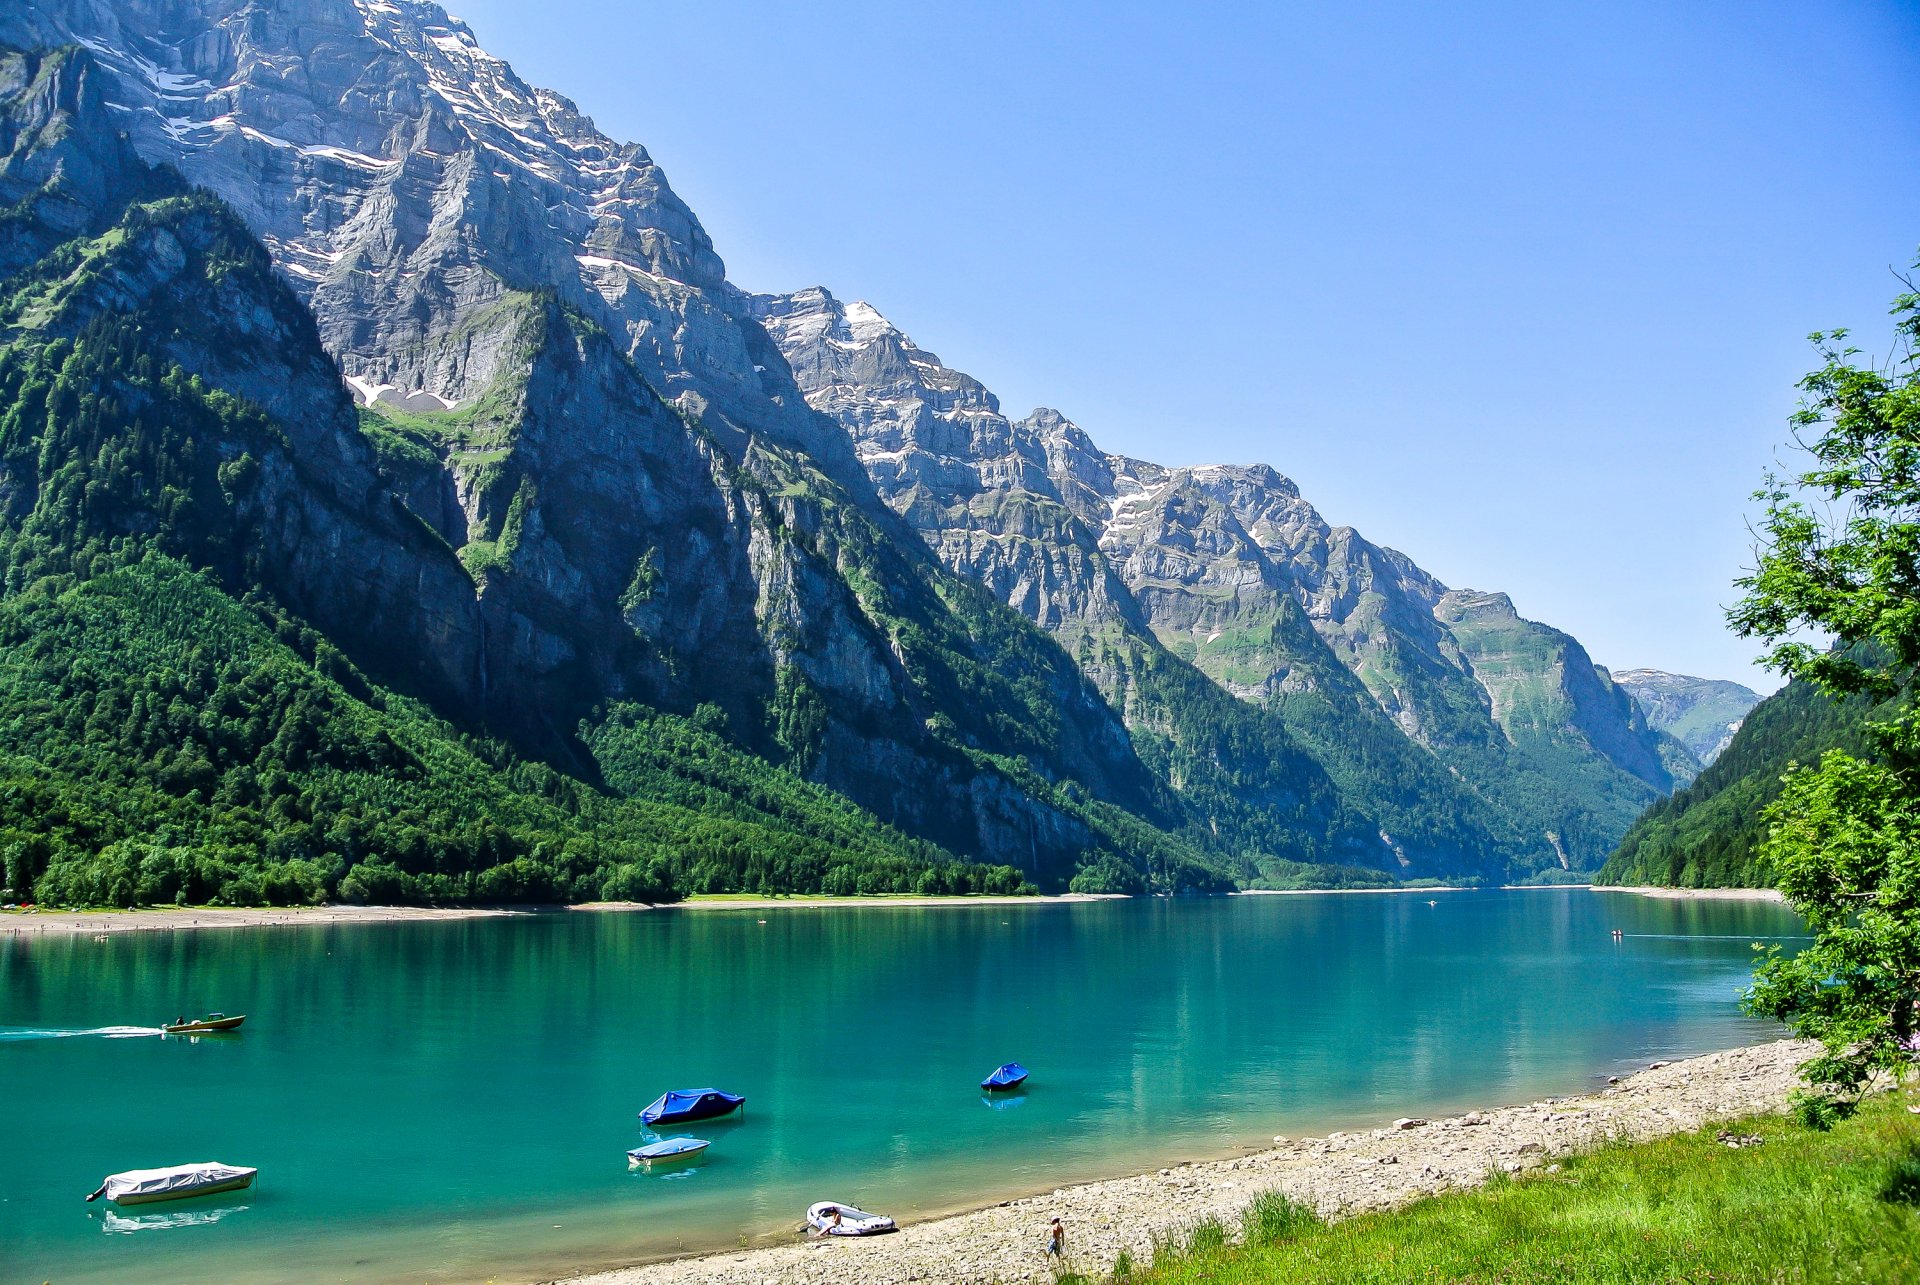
pixel 1701 713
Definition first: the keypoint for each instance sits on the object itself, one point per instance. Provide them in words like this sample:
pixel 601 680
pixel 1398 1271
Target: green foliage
pixel 1846 845
pixel 1272 1218
pixel 1844 837
pixel 1804 1208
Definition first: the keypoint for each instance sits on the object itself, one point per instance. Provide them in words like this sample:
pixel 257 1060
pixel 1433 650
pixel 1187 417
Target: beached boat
pixel 667 1150
pixel 144 1186
pixel 1010 1076
pixel 850 1221
pixel 211 1022
pixel 691 1104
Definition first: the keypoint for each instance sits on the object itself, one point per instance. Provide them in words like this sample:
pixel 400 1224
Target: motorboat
pixel 144 1186
pixel 676 1105
pixel 837 1218
pixel 200 1025
pixel 667 1150
pixel 1010 1076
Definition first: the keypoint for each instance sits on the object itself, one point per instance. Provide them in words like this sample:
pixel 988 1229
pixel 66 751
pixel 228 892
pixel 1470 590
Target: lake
pixel 456 1099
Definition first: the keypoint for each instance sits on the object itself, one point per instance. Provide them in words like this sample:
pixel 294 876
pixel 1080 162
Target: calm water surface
pixel 455 1100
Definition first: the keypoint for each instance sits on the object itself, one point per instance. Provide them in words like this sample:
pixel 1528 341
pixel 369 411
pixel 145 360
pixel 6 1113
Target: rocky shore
pixel 1343 1173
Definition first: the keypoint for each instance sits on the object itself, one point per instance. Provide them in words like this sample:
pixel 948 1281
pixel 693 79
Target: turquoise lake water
pixel 455 1099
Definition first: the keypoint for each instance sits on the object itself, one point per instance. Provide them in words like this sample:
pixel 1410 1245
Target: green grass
pixel 1802 1207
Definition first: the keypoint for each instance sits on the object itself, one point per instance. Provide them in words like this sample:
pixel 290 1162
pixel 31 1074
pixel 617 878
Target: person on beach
pixel 1056 1240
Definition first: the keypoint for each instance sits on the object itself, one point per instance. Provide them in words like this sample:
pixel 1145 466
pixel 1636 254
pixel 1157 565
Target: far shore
pixel 187 918
pixel 1338 1175
pixel 1695 894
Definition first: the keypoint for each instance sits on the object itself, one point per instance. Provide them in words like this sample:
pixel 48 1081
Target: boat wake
pixel 16 1034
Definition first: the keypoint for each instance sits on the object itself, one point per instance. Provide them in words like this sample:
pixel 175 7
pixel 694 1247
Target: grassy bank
pixel 1799 1207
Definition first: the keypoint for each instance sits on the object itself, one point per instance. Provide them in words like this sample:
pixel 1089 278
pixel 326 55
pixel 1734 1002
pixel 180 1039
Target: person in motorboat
pixel 832 1215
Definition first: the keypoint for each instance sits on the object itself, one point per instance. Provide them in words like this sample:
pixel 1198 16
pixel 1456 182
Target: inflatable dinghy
pixel 851 1221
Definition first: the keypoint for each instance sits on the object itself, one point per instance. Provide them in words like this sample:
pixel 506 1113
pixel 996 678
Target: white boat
pixel 143 1186
pixel 851 1221
pixel 667 1151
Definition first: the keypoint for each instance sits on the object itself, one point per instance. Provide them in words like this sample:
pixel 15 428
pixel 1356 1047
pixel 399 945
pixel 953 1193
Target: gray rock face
pixel 1701 713
pixel 1229 567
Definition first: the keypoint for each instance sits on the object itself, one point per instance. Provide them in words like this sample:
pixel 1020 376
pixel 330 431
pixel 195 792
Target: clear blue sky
pixel 1520 289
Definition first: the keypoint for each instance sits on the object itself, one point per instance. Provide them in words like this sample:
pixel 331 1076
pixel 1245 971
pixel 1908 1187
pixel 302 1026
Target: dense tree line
pixel 1709 834
pixel 165 742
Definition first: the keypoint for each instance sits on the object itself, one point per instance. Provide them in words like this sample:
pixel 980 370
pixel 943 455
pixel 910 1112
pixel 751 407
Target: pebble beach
pixel 1340 1174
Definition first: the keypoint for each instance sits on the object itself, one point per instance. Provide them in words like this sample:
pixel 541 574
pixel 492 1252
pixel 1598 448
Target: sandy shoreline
pixel 184 918
pixel 71 923
pixel 178 919
pixel 1343 1173
pixel 1695 894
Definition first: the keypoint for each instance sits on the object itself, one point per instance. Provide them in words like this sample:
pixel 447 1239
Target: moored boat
pixel 144 1186
pixel 668 1150
pixel 676 1105
pixel 836 1218
pixel 1010 1076
pixel 211 1022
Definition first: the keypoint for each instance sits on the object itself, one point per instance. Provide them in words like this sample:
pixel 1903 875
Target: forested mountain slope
pixel 1706 835
pixel 162 393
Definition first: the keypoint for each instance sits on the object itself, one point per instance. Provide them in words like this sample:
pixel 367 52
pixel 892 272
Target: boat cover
pixel 690 1104
pixel 1005 1077
pixel 853 1222
pixel 668 1148
pixel 181 1180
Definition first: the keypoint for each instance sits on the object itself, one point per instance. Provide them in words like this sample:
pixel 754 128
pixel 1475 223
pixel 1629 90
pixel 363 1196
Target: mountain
pixel 184 487
pixel 602 485
pixel 1407 690
pixel 1701 713
pixel 413 361
pixel 1707 835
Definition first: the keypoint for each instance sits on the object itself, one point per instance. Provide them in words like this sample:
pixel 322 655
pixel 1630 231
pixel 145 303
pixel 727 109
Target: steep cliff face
pixel 1230 569
pixel 1701 713
pixel 102 244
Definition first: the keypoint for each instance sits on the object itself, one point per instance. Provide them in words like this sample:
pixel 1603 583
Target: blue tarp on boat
pixel 1005 1077
pixel 690 1104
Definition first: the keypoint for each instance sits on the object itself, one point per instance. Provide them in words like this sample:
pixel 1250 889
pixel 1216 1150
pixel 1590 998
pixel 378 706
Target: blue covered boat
pixel 667 1149
pixel 1010 1076
pixel 691 1104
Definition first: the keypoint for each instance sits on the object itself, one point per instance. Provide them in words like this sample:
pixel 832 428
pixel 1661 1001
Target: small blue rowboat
pixel 667 1149
pixel 1010 1076
pixel 691 1104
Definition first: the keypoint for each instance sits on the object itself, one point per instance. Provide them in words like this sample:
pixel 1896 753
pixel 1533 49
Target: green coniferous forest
pixel 1707 834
